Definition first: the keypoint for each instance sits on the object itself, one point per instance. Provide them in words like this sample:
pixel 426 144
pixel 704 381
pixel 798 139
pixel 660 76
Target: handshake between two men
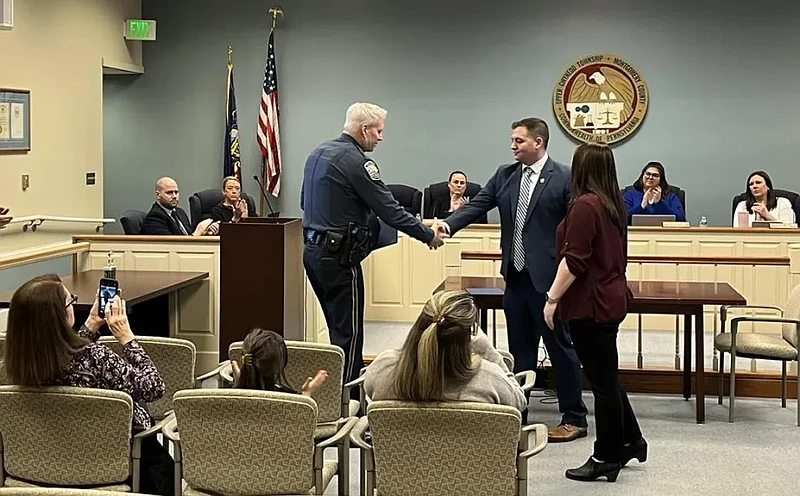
pixel 440 234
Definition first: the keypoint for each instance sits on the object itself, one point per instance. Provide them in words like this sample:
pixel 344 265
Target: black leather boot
pixel 636 450
pixel 591 470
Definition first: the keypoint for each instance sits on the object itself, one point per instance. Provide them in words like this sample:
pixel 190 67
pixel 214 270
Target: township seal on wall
pixel 601 98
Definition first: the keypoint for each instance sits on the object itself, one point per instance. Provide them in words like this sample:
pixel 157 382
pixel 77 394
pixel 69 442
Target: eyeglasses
pixel 653 175
pixel 73 299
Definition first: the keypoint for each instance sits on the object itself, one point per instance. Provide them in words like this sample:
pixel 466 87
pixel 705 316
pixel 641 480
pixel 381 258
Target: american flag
pixel 268 136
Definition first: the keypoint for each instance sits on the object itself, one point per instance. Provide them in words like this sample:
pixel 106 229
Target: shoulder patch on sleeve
pixel 372 169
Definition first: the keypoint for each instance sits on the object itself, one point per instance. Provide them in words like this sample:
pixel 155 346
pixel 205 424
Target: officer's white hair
pixel 360 114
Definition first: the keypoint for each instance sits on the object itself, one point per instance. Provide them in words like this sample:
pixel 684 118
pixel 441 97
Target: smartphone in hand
pixel 109 288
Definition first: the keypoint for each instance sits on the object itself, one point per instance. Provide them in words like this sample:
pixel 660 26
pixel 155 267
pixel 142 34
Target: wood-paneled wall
pixel 399 279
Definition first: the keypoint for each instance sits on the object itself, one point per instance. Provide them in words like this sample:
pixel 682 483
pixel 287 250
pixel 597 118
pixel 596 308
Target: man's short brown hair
pixel 537 128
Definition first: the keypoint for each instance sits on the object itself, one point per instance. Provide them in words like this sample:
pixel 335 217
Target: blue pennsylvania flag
pixel 232 161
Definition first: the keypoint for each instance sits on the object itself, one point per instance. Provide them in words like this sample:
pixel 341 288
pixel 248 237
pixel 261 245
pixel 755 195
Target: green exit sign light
pixel 140 29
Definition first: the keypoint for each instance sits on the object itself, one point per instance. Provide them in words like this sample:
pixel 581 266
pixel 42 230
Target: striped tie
pixel 522 211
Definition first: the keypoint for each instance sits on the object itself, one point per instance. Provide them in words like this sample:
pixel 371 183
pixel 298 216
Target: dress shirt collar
pixel 538 165
pixel 167 210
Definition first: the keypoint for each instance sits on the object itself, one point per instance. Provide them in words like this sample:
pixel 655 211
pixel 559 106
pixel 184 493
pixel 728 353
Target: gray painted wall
pixel 722 76
pixel 11 279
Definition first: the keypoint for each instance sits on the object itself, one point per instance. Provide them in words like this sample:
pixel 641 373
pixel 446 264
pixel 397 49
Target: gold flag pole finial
pixel 276 12
pixel 230 55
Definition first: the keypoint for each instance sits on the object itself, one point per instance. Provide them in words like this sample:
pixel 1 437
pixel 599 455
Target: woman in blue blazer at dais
pixel 651 195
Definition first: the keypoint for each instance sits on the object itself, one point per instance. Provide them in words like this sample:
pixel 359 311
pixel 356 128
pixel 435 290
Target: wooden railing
pixel 496 256
pixel 677 260
pixel 701 260
pixel 139 238
pixel 716 262
pixel 34 221
pixel 41 254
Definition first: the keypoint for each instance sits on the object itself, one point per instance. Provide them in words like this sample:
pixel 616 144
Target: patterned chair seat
pixel 755 345
pixel 264 429
pixel 328 471
pixel 305 359
pixel 114 488
pixel 175 360
pixel 65 491
pixel 783 347
pixel 45 429
pixel 446 448
pixel 324 431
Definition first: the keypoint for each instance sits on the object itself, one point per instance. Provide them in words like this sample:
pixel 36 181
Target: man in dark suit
pixel 167 218
pixel 532 196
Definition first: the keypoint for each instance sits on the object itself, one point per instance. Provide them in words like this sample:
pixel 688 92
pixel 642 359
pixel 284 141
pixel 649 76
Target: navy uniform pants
pixel 340 291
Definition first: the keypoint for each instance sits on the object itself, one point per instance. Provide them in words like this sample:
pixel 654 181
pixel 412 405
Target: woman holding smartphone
pixel 42 349
pixel 591 292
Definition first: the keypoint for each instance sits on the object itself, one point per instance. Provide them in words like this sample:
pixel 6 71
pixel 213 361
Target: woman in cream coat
pixel 761 204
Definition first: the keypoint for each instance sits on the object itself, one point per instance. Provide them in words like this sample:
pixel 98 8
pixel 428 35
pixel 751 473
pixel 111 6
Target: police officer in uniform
pixel 342 192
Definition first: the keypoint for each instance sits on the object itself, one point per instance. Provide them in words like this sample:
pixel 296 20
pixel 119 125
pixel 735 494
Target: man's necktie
pixel 522 213
pixel 174 216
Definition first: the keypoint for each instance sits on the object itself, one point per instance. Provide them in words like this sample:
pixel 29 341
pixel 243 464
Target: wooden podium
pixel 262 282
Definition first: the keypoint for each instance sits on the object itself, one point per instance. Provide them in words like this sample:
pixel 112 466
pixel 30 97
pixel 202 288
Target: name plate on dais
pixel 601 98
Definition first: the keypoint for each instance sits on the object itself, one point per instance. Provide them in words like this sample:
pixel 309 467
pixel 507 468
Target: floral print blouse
pixel 97 366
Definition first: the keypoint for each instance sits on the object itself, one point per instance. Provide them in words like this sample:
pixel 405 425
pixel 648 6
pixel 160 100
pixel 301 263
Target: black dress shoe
pixel 636 450
pixel 591 470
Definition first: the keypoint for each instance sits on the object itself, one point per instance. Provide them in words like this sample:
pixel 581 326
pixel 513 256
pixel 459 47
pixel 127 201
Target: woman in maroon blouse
pixel 591 293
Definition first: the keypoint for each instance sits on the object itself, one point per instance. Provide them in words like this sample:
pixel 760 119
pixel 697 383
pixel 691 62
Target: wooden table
pixel 649 297
pixel 145 292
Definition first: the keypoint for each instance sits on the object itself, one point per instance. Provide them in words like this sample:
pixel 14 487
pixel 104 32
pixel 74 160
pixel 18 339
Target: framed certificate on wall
pixel 15 120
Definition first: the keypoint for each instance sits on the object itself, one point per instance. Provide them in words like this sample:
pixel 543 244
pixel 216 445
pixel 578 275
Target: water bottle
pixel 703 221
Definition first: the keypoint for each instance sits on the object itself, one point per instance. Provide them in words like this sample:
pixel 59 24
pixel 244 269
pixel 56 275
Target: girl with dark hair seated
pixel 652 195
pixel 264 358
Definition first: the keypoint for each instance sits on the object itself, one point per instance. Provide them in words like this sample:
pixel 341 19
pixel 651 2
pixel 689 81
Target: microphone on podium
pixel 272 213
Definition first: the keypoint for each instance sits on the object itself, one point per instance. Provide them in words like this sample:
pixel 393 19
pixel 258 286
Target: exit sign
pixel 140 29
